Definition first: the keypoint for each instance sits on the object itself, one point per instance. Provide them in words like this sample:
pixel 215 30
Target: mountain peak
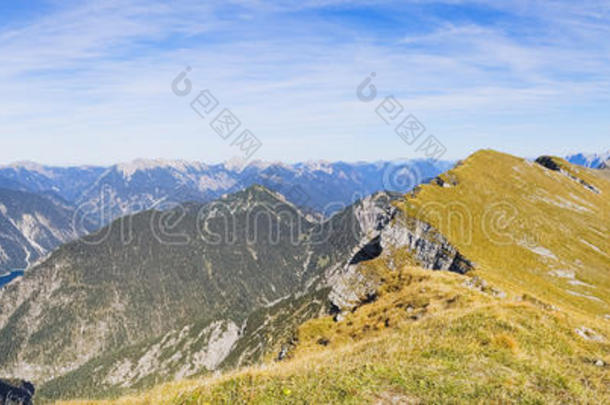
pixel 590 160
pixel 257 194
pixel 130 168
pixel 30 166
pixel 483 155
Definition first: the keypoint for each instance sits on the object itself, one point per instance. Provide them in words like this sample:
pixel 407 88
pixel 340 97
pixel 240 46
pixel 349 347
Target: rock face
pixel 387 230
pixel 16 392
pixel 552 164
pixel 192 350
pixel 426 244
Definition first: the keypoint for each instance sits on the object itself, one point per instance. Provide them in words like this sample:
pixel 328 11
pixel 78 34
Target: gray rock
pixel 498 293
pixel 386 229
pixel 589 334
pixel 16 392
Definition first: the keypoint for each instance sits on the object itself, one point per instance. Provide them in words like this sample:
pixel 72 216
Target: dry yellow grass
pixel 455 344
pixel 522 223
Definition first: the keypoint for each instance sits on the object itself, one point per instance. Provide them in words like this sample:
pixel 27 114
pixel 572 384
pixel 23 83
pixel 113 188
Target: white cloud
pixel 94 79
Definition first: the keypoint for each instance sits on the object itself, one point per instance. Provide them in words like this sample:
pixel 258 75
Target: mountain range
pixel 141 184
pixel 52 205
pixel 291 306
pixel 590 160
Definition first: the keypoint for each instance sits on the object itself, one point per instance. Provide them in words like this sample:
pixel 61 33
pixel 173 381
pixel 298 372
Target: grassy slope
pixel 549 213
pixel 467 346
pixel 605 172
pixel 429 337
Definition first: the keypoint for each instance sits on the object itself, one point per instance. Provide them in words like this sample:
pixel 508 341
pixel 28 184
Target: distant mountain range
pixel 52 205
pixel 141 184
pixel 590 160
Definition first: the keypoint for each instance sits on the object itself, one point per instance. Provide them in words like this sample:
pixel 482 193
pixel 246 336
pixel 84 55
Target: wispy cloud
pixel 89 82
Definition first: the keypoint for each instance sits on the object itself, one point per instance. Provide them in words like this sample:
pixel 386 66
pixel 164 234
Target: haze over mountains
pixel 53 205
pixel 68 202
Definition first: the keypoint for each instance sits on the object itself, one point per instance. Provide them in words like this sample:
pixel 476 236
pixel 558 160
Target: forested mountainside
pixel 230 282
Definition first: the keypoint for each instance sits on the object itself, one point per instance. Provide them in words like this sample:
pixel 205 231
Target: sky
pixel 90 82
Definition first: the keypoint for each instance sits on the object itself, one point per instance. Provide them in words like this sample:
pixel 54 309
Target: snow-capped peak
pixel 318 166
pixel 128 169
pixel 592 160
pixel 31 166
pixel 238 164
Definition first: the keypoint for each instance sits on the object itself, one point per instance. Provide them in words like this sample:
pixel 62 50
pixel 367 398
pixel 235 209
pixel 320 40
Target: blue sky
pixel 89 82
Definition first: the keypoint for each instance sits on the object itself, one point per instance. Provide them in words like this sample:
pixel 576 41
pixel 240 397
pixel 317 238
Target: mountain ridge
pixel 271 270
pixel 98 195
pixel 294 287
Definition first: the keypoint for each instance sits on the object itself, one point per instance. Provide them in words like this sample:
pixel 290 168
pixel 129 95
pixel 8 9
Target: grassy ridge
pixel 523 223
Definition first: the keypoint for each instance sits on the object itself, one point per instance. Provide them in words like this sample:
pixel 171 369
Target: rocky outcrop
pixel 348 285
pixel 551 164
pixel 446 180
pixel 388 230
pixel 427 245
pixel 16 392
